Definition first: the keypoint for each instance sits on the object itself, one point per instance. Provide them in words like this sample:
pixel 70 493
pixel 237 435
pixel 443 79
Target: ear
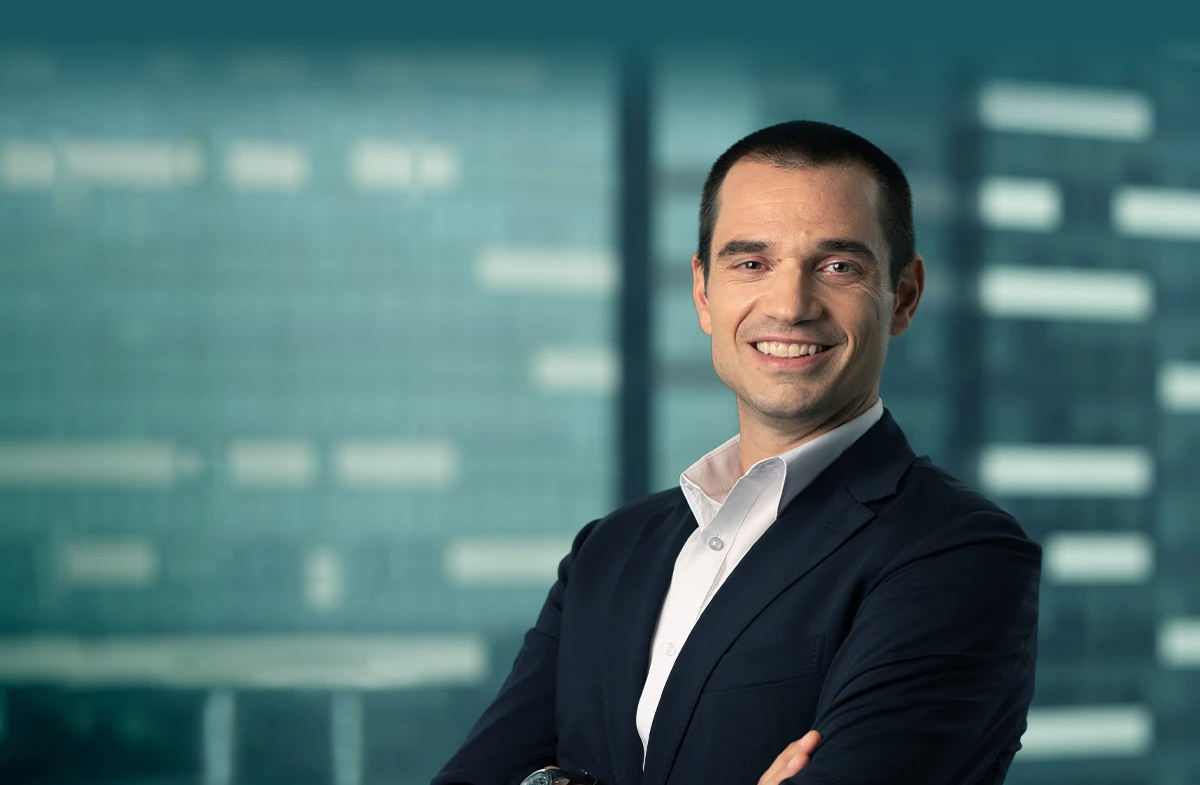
pixel 700 294
pixel 908 295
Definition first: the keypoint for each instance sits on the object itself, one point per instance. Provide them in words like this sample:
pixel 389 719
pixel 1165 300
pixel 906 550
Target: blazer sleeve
pixel 516 734
pixel 933 683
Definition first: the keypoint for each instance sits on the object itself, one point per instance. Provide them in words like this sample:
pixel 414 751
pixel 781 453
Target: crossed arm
pixel 934 681
pixel 930 687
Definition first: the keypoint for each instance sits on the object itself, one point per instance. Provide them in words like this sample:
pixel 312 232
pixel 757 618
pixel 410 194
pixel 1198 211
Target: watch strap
pixel 566 777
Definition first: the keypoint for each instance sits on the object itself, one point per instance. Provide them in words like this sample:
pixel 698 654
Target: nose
pixel 791 296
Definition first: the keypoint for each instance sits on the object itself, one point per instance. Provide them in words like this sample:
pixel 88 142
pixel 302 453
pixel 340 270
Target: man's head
pixel 806 144
pixel 806 246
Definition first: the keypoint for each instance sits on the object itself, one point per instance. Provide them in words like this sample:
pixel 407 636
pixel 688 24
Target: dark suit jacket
pixel 890 607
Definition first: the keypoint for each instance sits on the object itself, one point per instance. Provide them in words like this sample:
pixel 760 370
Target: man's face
pixel 799 260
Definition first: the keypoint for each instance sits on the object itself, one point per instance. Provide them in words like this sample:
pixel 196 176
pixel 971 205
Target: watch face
pixel 539 778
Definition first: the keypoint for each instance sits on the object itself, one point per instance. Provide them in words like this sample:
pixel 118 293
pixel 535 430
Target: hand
pixel 793 758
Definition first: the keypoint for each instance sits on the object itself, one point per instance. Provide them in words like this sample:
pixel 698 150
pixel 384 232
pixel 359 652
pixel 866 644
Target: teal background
pixel 192 312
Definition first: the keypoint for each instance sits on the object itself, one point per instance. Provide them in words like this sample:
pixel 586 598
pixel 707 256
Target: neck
pixel 764 437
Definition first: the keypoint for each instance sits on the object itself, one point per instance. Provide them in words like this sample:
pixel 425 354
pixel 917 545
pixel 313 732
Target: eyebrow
pixel 739 247
pixel 846 245
pixel 832 245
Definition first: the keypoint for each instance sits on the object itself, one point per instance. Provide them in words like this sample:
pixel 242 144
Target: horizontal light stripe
pixel 396 463
pixel 1049 471
pixel 514 561
pixel 1015 203
pixel 438 167
pixel 122 163
pixel 272 463
pixel 1087 732
pixel 1097 557
pixel 1066 294
pixel 586 370
pixel 53 462
pixel 377 165
pixel 1066 110
pixel 26 165
pixel 1166 213
pixel 249 662
pixel 266 166
pixel 1179 387
pixel 120 564
pixel 1179 642
pixel 546 270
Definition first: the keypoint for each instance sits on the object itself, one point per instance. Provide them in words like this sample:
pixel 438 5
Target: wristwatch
pixel 559 777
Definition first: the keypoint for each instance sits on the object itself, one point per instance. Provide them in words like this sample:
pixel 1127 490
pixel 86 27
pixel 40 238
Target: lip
pixel 790 363
pixel 785 339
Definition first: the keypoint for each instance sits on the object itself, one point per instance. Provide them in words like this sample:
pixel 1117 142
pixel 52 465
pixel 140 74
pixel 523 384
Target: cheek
pixel 869 328
pixel 726 320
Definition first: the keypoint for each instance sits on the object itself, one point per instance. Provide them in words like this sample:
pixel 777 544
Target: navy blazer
pixel 890 607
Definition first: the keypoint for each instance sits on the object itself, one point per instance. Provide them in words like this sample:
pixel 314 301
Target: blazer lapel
pixel 633 614
pixel 812 527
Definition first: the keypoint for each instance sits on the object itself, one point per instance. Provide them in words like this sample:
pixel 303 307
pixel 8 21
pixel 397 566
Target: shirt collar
pixel 708 481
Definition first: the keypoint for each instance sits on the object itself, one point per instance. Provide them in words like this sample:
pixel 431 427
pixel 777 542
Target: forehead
pixel 821 201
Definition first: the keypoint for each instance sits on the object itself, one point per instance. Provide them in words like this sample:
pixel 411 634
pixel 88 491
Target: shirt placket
pixel 708 551
pixel 721 535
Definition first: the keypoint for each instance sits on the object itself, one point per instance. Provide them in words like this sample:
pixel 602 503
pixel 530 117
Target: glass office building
pixel 314 362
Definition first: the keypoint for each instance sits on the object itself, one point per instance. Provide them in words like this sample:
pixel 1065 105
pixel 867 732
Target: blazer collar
pixel 873 466
pixel 632 616
pixel 808 530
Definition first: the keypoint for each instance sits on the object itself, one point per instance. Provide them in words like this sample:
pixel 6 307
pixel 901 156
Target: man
pixel 814 604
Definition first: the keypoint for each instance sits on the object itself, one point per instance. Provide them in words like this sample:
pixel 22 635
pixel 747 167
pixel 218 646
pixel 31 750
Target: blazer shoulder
pixel 640 510
pixel 931 493
pixel 633 515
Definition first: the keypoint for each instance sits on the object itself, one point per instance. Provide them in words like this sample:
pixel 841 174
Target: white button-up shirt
pixel 732 511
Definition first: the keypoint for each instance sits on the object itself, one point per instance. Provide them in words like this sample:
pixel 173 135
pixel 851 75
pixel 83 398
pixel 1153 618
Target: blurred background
pixel 315 359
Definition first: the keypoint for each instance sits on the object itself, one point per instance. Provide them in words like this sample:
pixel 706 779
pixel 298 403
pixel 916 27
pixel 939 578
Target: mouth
pixel 786 351
pixel 790 355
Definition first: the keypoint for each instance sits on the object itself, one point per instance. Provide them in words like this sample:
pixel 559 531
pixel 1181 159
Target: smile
pixel 788 350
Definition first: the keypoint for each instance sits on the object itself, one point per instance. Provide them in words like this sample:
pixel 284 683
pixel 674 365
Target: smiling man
pixel 814 603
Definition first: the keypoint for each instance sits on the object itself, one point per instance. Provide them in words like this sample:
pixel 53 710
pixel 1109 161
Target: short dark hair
pixel 807 143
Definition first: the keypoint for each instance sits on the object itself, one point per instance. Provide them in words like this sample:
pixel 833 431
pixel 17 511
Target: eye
pixel 839 266
pixel 746 265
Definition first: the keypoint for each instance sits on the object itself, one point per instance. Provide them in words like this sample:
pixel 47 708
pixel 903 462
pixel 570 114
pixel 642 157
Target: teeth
pixel 777 349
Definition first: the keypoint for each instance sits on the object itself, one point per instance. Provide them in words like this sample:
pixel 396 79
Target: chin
pixel 790 410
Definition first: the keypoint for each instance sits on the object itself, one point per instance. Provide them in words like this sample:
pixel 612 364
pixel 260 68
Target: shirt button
pixel 669 650
pixel 715 543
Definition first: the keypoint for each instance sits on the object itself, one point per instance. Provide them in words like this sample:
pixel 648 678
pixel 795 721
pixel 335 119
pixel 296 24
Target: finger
pixel 793 758
pixel 798 761
pixel 771 776
pixel 808 745
pixel 809 741
pixel 791 767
